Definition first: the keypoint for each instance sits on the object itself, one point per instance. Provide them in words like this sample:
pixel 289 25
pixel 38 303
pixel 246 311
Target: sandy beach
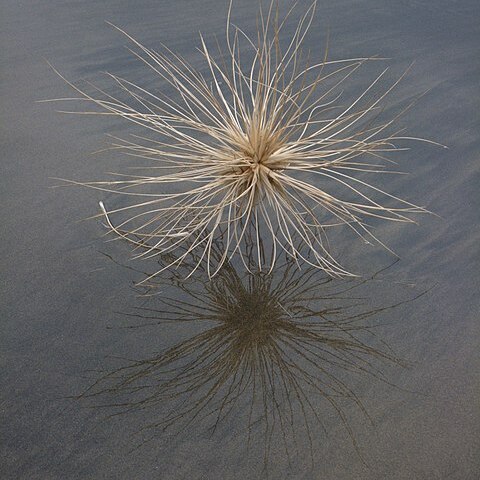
pixel 61 293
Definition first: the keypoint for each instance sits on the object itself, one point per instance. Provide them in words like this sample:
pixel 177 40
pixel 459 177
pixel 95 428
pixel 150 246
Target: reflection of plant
pixel 261 139
pixel 269 346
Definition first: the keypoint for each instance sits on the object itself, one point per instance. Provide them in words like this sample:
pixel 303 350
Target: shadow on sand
pixel 276 353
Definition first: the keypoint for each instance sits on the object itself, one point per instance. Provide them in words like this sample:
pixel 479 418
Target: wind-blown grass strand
pixel 258 139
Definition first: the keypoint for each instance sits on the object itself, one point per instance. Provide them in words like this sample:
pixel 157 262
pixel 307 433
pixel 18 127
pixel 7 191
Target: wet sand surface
pixel 62 298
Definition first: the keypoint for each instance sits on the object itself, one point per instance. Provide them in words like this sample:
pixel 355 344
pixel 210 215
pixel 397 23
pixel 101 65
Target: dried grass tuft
pixel 260 142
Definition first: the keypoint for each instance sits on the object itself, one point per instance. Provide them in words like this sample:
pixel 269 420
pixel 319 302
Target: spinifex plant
pixel 258 139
